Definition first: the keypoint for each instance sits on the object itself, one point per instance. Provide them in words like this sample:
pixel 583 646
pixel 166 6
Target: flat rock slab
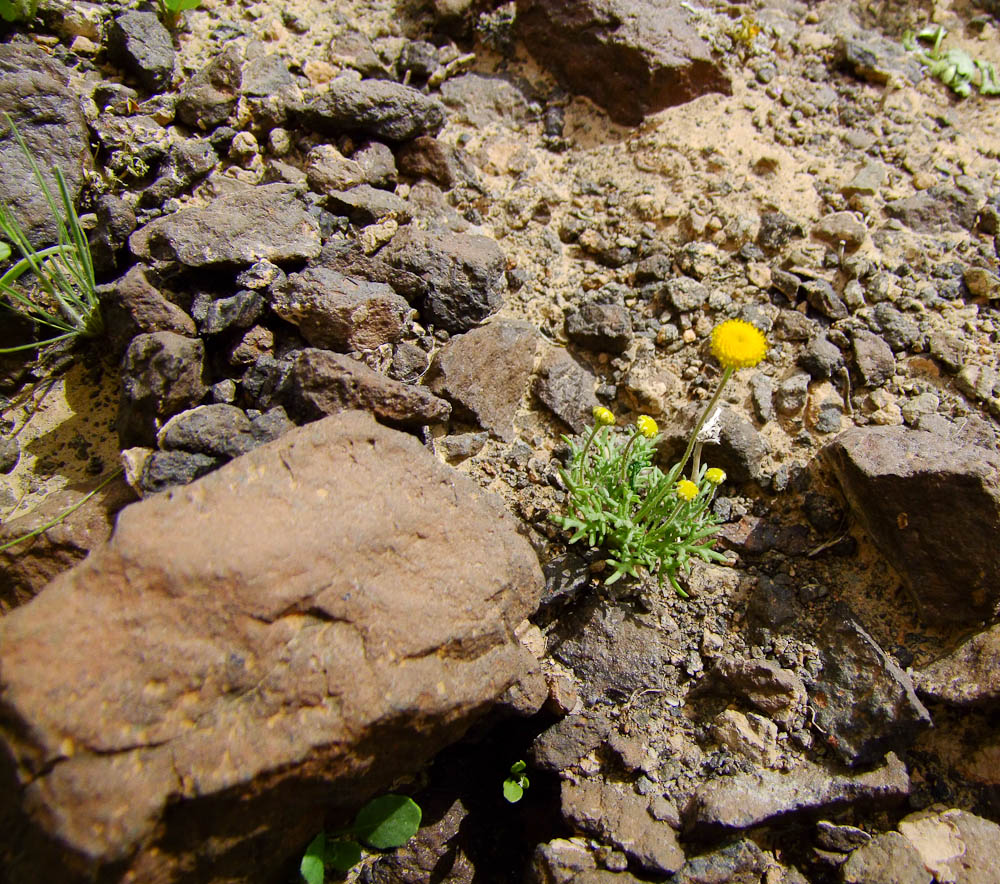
pixel 242 227
pixel 289 633
pixel 745 800
pixel 485 373
pixel 932 506
pixel 632 57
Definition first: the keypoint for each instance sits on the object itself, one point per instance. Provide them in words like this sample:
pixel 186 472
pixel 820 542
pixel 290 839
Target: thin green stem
pixel 625 454
pixel 583 454
pixel 704 417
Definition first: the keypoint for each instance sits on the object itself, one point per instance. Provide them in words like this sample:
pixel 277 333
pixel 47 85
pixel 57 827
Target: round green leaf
pixel 518 766
pixel 343 855
pixel 512 791
pixel 4 251
pixel 388 821
pixel 311 866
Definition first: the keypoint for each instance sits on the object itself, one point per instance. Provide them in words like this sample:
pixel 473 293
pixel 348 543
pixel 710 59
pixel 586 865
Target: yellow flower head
pixel 647 426
pixel 603 417
pixel 738 344
pixel 687 490
pixel 715 475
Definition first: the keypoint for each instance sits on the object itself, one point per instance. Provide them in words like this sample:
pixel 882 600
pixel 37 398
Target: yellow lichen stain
pixel 155 688
pixel 322 493
pixel 67 747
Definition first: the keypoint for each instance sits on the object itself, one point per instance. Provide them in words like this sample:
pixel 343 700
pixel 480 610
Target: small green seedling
pixel 516 783
pixel 953 67
pixel 63 296
pixel 170 10
pixel 18 10
pixel 383 823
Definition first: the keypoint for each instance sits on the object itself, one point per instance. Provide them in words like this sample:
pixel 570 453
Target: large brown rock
pixel 632 57
pixel 932 506
pixel 282 637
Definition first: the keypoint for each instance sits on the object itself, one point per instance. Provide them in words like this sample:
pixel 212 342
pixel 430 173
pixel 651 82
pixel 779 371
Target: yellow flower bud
pixel 738 344
pixel 687 490
pixel 647 426
pixel 715 476
pixel 603 417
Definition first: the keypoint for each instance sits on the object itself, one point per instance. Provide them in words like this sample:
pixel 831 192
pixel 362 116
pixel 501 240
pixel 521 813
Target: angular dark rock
pixel 776 229
pixel 873 357
pixel 168 469
pixel 566 388
pixel 684 294
pixel 327 170
pixel 563 745
pixel 337 312
pixel 264 634
pixel 429 158
pixel 206 100
pixel 876 59
pixel 485 373
pixel 821 297
pixel 606 328
pixel 115 223
pixel 840 227
pixel 321 383
pixel 937 210
pixel 138 42
pixel 735 863
pixel 133 305
pixel 34 92
pixel 241 227
pixel 162 373
pixel 649 54
pixel 462 277
pixel 237 311
pixel 821 358
pixel 383 109
pixel 222 431
pixel 897 329
pixel 185 164
pixel 741 450
pixel 742 801
pixel 862 702
pixel 791 393
pixel 377 163
pixel 932 506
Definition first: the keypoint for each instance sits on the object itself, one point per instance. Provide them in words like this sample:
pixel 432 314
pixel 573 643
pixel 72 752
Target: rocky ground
pixel 361 264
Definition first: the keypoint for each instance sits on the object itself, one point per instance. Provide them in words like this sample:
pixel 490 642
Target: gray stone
pixel 840 227
pixel 241 227
pixel 237 311
pixel 741 801
pixel 327 169
pixel 566 388
pixel 10 454
pixel 862 702
pixel 650 54
pixel 966 676
pixel 365 205
pixel 791 394
pixel 409 363
pixel 777 229
pixel 462 278
pixel 684 294
pixel 162 373
pixel 887 857
pixel 569 861
pixel 762 396
pixel 337 312
pixel 562 746
pixel 873 357
pixel 867 181
pixel 378 107
pixel 741 862
pixel 620 817
pixel 980 382
pixel 485 374
pixel 821 358
pixel 937 210
pixel 462 445
pixel 265 633
pixel 115 223
pixel 377 164
pixel 481 99
pixel 34 93
pixel 206 100
pixel 821 297
pixel 168 469
pixel 321 383
pixel 606 328
pixel 842 838
pixel 932 506
pixel 778 693
pixel 897 329
pixel 222 431
pixel 139 43
pixel 133 306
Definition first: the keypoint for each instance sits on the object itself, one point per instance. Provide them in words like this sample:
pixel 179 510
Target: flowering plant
pixel 619 499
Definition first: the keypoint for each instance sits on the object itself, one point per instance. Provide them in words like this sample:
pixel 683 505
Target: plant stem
pixel 625 454
pixel 704 417
pixel 583 454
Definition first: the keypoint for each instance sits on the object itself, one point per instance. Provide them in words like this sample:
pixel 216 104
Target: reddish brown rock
pixel 280 638
pixel 632 57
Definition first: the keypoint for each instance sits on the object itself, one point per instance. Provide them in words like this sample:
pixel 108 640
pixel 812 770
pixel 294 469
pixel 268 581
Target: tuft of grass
pixel 62 296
